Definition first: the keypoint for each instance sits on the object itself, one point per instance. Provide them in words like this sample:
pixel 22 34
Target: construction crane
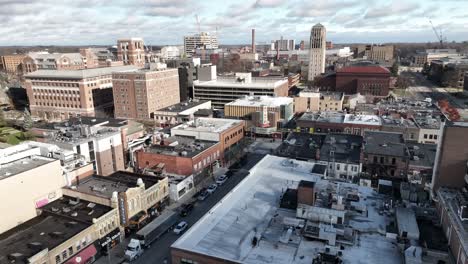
pixel 439 35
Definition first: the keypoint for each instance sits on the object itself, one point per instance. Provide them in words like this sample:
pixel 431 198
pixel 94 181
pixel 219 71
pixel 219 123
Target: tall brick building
pixel 58 95
pixel 131 51
pixel 366 80
pixel 137 94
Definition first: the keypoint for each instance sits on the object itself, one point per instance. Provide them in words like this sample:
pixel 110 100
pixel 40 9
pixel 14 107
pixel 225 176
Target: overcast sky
pixel 163 22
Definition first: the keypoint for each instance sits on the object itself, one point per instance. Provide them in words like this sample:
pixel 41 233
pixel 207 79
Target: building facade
pixel 181 156
pixel 223 90
pixel 367 80
pixel 28 181
pixel 385 155
pixel 138 94
pixel 378 53
pixel 59 95
pixel 451 156
pixel 85 59
pixel 12 63
pixel 317 49
pixel 131 51
pixel 135 196
pixel 203 40
pixel 66 231
pixel 101 146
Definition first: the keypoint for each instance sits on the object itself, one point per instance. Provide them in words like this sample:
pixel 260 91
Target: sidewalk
pixel 116 255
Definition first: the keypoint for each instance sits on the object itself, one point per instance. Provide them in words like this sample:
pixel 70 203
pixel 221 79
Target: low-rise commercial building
pixel 183 156
pixel 313 101
pixel 58 95
pixel 342 153
pixel 137 94
pixel 137 197
pixel 66 231
pixel 421 164
pixel 326 122
pixel 28 180
pixel 385 155
pixel 102 146
pixel 281 211
pixel 180 112
pixel 225 131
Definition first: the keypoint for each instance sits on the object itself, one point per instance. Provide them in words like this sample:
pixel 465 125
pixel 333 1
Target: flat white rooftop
pixel 257 101
pixel 202 124
pixel 231 82
pixel 362 119
pixel 252 209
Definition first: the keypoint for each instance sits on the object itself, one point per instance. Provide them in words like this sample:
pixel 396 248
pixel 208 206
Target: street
pixel 160 249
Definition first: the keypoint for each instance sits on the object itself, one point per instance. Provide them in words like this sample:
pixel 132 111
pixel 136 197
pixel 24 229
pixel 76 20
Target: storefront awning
pixel 83 256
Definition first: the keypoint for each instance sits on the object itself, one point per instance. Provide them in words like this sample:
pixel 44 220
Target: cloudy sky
pixel 163 22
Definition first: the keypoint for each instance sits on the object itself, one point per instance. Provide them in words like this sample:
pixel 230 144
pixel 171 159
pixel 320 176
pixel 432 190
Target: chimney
pixel 253 40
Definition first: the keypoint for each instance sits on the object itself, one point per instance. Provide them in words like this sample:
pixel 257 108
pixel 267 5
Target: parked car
pixel 203 195
pixel 186 209
pixel 180 227
pixel 212 188
pixel 221 180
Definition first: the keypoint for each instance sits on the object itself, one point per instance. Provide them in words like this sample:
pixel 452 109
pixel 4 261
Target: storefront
pixel 109 241
pixel 85 256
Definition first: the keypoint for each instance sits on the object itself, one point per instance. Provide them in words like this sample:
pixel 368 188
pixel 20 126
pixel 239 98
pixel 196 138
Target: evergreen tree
pixel 27 121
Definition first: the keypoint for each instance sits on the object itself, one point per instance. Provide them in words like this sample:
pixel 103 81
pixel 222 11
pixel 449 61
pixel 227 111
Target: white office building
pixel 203 40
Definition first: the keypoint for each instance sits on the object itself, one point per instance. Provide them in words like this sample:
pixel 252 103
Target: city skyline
pixel 165 22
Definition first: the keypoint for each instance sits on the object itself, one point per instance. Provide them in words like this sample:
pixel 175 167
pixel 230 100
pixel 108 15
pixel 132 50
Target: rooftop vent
pixel 56 234
pixel 16 256
pixel 71 223
pixel 35 245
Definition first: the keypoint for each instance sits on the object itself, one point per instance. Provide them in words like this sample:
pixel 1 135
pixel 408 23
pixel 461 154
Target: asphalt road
pixel 160 249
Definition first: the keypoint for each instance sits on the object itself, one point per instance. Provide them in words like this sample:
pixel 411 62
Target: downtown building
pixel 85 59
pixel 131 51
pixel 12 63
pixel 59 95
pixel 383 54
pixel 317 51
pixel 203 40
pixel 221 90
pixel 263 114
pixel 99 145
pixel 138 94
pixel 251 223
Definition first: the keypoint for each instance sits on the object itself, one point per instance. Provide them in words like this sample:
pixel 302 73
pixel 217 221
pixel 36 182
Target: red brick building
pixel 366 80
pixel 181 155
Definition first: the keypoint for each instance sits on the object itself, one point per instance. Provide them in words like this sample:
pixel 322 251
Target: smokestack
pixel 253 40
